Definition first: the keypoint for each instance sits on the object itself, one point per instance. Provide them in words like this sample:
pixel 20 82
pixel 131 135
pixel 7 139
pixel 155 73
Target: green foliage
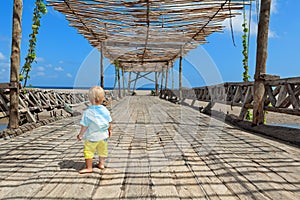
pixel 39 11
pixel 245 60
pixel 249 115
pixel 116 62
pixel 245 50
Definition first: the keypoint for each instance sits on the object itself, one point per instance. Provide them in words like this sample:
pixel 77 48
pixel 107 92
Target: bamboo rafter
pixel 147 35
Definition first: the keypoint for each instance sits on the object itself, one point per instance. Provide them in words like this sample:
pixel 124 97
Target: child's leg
pixel 89 167
pixel 101 162
pixel 102 152
pixel 89 149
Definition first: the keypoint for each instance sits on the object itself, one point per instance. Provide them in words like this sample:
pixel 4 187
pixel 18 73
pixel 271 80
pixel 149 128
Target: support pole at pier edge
pixel 156 83
pixel 261 58
pixel 162 80
pixel 119 83
pixel 129 82
pixel 167 76
pixel 172 78
pixel 123 82
pixel 15 64
pixel 101 68
pixel 180 78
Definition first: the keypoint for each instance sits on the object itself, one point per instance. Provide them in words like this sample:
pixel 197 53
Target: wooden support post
pixel 129 82
pixel 180 78
pixel 119 83
pixel 162 80
pixel 167 75
pixel 156 83
pixel 123 80
pixel 136 78
pixel 261 57
pixel 172 78
pixel 101 68
pixel 15 64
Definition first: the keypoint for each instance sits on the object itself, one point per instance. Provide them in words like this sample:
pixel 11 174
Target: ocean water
pixel 106 88
pixel 2 127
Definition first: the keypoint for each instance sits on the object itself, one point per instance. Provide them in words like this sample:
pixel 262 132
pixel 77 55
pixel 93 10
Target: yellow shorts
pixel 91 147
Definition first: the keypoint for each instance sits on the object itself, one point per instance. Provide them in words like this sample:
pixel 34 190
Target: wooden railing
pixel 34 101
pixel 281 95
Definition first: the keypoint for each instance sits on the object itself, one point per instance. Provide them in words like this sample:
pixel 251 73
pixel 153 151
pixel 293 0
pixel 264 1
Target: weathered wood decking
pixel 159 150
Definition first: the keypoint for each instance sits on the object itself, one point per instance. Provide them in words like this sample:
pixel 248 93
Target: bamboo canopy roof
pixel 147 35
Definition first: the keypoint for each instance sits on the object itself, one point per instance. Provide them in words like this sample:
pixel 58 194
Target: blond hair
pixel 96 95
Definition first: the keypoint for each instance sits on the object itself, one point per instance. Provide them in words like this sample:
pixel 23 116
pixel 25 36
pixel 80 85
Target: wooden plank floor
pixel 159 150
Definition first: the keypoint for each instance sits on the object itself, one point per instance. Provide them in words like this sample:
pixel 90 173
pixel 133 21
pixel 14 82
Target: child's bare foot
pixel 100 166
pixel 84 171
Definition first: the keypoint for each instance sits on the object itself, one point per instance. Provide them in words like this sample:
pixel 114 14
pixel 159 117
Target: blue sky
pixel 62 52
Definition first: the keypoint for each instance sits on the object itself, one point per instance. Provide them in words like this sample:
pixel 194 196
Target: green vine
pixel 245 50
pixel 39 10
pixel 245 54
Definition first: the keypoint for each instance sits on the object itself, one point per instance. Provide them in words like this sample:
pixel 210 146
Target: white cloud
pixel 40 74
pixel 237 22
pixel 53 76
pixel 3 38
pixel 61 62
pixel 69 75
pixel 49 65
pixel 2 71
pixel 40 68
pixel 2 57
pixel 4 64
pixel 40 59
pixel 274 6
pixel 59 69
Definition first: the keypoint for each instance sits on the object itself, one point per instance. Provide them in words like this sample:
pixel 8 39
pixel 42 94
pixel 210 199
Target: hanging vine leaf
pixel 39 11
pixel 245 53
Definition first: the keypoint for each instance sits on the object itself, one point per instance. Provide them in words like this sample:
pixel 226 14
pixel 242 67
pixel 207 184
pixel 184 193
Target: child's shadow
pixel 70 164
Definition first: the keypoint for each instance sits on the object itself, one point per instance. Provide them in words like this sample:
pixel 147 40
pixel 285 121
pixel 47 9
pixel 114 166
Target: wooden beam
pixel 12 85
pixel 162 80
pixel 129 82
pixel 167 76
pixel 119 82
pixel 261 58
pixel 135 80
pixel 180 78
pixel 172 78
pixel 143 76
pixel 15 64
pixel 123 81
pixel 156 82
pixel 101 68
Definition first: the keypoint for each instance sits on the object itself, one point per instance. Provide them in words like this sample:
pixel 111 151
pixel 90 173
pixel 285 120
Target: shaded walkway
pixel 159 150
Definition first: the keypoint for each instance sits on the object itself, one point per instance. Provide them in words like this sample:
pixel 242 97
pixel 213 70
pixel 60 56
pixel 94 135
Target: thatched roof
pixel 146 35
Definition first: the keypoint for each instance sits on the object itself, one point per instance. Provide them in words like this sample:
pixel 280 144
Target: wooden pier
pixel 159 150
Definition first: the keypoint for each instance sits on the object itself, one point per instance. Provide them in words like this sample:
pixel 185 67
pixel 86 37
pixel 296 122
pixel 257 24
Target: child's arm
pixel 109 130
pixel 82 130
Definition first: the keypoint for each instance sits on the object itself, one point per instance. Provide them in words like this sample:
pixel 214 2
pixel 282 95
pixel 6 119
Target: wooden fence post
pixel 261 57
pixel 15 64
